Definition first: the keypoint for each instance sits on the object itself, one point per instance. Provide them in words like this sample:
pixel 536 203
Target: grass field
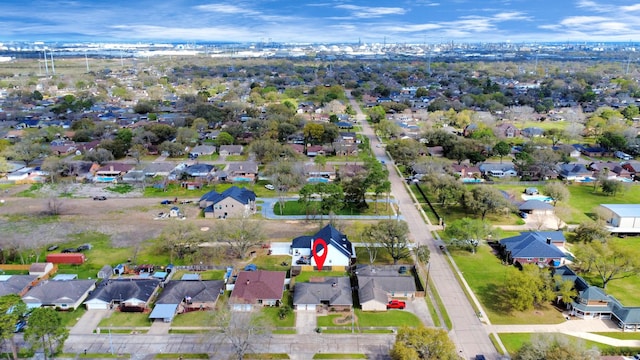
pixel 120 319
pixel 306 275
pixel 193 318
pixel 296 208
pixel 486 275
pixel 514 341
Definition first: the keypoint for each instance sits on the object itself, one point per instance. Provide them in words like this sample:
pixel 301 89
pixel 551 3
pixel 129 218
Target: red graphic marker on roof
pixel 319 243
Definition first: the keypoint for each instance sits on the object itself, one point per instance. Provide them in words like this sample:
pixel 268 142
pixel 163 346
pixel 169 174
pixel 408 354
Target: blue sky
pixel 327 21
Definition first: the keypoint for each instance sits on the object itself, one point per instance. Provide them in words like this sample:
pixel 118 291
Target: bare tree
pixel 241 233
pixel 55 206
pixel 371 245
pixel 242 330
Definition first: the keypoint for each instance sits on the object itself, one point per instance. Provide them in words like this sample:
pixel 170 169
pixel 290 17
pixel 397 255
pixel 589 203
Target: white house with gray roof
pixel 62 295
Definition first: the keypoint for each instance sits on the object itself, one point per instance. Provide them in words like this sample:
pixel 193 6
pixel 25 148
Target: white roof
pixel 624 210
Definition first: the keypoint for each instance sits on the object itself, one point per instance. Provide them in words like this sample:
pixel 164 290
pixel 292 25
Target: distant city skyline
pixel 320 21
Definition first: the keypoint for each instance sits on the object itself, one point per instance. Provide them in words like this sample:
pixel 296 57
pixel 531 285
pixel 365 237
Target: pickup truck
pixel 396 304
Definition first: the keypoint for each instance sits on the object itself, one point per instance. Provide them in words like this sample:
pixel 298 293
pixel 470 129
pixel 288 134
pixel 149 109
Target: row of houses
pixel 622 171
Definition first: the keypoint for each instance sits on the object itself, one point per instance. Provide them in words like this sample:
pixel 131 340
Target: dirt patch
pixel 127 218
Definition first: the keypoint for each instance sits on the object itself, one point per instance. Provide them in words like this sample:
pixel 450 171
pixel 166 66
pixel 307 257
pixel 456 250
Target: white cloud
pixel 365 12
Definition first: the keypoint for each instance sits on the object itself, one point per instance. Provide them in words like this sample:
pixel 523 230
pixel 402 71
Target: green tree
pixel 611 187
pixel 285 176
pixel 423 343
pixel 591 231
pixel 27 151
pixel 555 347
pixel 613 263
pixel 529 287
pixel 557 191
pixel 376 114
pixel 502 149
pixel 224 138
pixel 392 235
pixel 240 233
pixel 12 309
pixel 46 331
pixel 484 200
pixel 307 200
pixel 187 136
pixel 468 232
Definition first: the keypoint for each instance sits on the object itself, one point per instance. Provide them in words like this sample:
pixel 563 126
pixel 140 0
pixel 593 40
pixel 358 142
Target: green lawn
pixel 272 262
pixel 395 318
pixel 306 275
pixel 627 335
pixel 204 275
pixel 121 319
pixel 382 257
pixel 514 341
pixel 627 289
pixel 271 313
pixel 296 208
pixel 70 318
pixel 486 275
pixel 583 200
pixel 194 319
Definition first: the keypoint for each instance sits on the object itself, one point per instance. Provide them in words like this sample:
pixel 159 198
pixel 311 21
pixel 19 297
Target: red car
pixel 396 304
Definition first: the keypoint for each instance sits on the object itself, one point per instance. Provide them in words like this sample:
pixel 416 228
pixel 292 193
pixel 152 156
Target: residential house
pixel 233 202
pixel 246 171
pixel 379 284
pixel 62 295
pixel 226 150
pixel 633 167
pixel 498 169
pixel 198 170
pixel 532 248
pixel 610 170
pixel 592 150
pixel 134 176
pixel 158 169
pixel 574 172
pixel 593 303
pixel 202 150
pixel 340 252
pixel 131 295
pixel 536 207
pixel 255 289
pixel 532 132
pixel 622 218
pixel 17 284
pixel 111 171
pixel 506 130
pixel 313 170
pixel 181 296
pixel 465 171
pixel 332 293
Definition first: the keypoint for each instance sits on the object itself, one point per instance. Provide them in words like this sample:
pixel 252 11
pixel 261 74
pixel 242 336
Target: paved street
pixel 468 333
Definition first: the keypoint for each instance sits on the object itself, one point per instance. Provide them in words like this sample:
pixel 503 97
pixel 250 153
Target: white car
pixel 270 187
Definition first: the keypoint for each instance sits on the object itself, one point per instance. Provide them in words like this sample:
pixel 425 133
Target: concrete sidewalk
pixel 583 329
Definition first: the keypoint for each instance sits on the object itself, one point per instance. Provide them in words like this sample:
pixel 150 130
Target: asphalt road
pixel 468 333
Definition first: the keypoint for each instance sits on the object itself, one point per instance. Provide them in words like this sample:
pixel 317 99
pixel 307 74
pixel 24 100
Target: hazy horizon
pixel 324 21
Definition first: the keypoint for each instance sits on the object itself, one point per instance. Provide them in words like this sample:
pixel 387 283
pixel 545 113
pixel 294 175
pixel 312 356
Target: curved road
pixel 469 333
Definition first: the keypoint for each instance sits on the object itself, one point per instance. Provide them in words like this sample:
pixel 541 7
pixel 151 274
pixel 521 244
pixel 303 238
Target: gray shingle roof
pixel 334 290
pixel 56 292
pixel 200 291
pixel 124 289
pixel 14 284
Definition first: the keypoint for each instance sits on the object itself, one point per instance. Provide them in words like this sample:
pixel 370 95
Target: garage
pixel 96 304
pixel 306 307
pixel 242 307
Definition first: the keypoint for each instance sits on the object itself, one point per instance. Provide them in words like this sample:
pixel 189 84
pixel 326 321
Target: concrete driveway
pixel 89 322
pixel 306 321
pixel 418 306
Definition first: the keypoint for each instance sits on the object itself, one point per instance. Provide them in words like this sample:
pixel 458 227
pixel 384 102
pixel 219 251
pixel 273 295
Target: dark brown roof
pixel 257 285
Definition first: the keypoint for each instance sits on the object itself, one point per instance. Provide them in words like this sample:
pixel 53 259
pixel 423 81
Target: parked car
pixel 396 304
pixel 402 270
pixel 269 187
pixel 480 357
pixel 165 202
pixel 84 247
pixel 100 198
pixel 52 247
pixel 523 214
pixel 70 250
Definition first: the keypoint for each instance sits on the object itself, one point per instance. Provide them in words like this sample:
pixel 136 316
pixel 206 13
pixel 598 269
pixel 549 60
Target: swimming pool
pixel 105 178
pixel 473 181
pixel 242 178
pixel 538 197
pixel 318 179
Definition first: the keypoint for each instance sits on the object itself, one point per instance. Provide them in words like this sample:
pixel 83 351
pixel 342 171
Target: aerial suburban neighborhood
pixel 241 207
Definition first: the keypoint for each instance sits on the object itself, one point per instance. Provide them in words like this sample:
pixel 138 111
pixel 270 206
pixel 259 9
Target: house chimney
pixel 549 240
